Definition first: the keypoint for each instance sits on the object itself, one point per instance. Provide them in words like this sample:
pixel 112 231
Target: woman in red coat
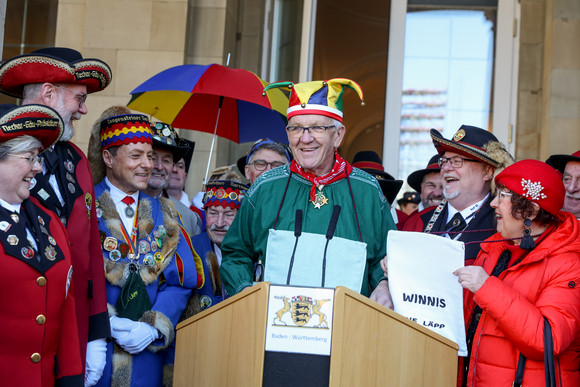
pixel 39 339
pixel 517 281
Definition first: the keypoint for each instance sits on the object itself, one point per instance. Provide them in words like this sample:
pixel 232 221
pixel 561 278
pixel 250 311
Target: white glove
pixel 120 326
pixel 138 338
pixel 96 360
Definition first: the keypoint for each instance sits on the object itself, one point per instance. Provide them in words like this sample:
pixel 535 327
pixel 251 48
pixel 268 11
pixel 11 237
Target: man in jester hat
pixel 150 265
pixel 316 221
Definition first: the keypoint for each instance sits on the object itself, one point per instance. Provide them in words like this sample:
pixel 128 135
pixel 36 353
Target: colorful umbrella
pixel 227 102
pixel 188 97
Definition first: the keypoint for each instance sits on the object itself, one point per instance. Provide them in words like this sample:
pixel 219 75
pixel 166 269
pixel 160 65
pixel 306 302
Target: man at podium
pixel 316 221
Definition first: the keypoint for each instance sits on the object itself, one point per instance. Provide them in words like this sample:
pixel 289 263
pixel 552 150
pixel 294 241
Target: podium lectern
pixel 371 346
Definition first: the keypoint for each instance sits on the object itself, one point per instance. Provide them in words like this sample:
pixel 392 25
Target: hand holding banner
pixel 422 283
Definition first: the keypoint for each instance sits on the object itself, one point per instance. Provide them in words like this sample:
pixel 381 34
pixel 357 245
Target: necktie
pixel 51 161
pixel 128 200
pixel 457 223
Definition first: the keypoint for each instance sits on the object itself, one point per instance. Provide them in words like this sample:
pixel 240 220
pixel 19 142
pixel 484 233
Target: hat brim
pixel 390 189
pixel 443 145
pixel 416 178
pixel 559 161
pixel 28 69
pixel 241 163
pixel 177 151
pixel 39 121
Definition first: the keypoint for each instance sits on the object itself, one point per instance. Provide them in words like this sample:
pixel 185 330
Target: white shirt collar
pixel 467 213
pixel 117 195
pixel 10 207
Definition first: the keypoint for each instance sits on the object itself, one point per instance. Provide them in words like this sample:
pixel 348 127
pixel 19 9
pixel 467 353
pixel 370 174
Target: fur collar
pixel 118 272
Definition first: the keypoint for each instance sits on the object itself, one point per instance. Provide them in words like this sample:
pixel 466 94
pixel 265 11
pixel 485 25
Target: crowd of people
pixel 108 253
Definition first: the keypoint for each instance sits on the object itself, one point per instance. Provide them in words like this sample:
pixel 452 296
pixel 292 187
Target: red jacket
pixel 39 336
pixel 85 244
pixel 545 283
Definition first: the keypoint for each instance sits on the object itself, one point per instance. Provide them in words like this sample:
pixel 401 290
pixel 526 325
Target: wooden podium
pixel 371 345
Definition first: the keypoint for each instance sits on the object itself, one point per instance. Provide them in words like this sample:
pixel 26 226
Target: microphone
pixel 333 222
pixel 329 235
pixel 297 233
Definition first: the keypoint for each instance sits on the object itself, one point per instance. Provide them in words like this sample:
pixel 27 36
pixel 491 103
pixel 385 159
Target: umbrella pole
pixel 217 120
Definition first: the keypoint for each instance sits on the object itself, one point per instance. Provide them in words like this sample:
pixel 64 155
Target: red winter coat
pixel 545 283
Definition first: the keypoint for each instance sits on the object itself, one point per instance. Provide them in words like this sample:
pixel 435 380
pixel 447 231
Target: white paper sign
pixel 299 320
pixel 422 283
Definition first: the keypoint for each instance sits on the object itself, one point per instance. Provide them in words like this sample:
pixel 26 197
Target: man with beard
pixel 429 183
pixel 167 150
pixel 61 79
pixel 569 166
pixel 468 163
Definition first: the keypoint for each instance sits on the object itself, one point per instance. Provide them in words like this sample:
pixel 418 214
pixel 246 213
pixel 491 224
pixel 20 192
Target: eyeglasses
pixel 456 161
pixel 261 165
pixel 81 97
pixel 501 194
pixel 32 160
pixel 313 130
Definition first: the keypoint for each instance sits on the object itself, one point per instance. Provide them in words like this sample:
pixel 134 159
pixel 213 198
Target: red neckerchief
pixel 340 170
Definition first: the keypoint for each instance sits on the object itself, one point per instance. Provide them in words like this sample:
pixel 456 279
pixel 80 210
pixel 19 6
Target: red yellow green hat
pixel 317 97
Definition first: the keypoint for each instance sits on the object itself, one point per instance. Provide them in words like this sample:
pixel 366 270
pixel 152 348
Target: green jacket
pixel 246 240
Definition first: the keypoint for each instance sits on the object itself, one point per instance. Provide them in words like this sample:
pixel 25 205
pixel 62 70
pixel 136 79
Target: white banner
pixel 422 283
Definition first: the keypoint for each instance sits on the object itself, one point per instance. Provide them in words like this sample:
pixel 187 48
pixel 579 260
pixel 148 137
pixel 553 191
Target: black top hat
pixel 416 178
pixel 370 162
pixel 409 197
pixel 559 161
pixel 54 65
pixel 165 137
pixel 469 141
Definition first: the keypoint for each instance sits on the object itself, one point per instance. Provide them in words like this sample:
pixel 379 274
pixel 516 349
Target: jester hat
pixel 317 97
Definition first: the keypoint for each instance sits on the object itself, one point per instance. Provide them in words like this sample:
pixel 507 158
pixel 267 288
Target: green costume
pixel 246 241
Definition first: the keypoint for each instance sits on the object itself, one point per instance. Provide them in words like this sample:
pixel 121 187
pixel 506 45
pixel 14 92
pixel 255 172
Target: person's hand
pixel 120 326
pixel 138 338
pixel 383 264
pixel 471 277
pixel 382 295
pixel 96 360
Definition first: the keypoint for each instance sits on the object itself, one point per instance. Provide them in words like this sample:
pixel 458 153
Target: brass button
pixel 477 316
pixel 40 319
pixel 35 357
pixel 41 281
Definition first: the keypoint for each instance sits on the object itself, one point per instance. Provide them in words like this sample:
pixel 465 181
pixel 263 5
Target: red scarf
pixel 339 171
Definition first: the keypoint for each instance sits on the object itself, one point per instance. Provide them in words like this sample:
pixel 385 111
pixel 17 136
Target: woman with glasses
pixel 527 272
pixel 39 335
